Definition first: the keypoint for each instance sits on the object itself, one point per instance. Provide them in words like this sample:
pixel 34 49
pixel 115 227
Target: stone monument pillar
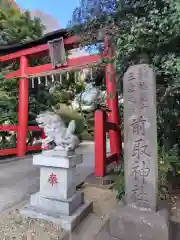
pixel 140 137
pixel 139 218
pixel 57 200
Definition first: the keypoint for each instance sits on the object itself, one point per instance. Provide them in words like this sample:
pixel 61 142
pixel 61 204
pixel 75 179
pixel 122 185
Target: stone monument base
pixel 128 223
pixel 68 223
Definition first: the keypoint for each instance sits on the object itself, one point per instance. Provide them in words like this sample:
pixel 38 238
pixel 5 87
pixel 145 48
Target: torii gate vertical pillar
pixel 22 109
pixel 112 103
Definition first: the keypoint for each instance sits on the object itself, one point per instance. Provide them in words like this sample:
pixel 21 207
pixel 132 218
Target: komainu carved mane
pixel 56 131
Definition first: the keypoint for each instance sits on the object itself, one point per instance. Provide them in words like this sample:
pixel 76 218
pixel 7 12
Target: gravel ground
pixel 104 200
pixel 14 226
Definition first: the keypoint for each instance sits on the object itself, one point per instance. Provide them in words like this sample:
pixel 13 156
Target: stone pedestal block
pixel 68 223
pixel 54 205
pixel 62 168
pixel 52 159
pixel 65 186
pixel 58 201
pixel 128 223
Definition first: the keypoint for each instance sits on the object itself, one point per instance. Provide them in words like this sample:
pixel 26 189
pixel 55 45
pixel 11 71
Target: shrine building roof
pixel 7 49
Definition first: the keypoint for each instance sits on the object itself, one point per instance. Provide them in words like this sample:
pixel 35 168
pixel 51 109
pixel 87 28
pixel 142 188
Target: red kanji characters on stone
pixel 52 179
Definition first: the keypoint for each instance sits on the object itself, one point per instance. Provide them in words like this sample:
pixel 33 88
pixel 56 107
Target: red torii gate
pixel 103 122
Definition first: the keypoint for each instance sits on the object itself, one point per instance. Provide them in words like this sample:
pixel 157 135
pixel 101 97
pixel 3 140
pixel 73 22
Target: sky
pixel 59 9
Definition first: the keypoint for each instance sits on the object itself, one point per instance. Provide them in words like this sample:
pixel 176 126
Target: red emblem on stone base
pixel 52 179
pixel 45 147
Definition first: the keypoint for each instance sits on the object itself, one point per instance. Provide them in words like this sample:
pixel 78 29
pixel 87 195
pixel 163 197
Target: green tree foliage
pixel 5 4
pixel 146 31
pixel 8 110
pixel 142 31
pixel 8 101
pixel 65 88
pixel 17 27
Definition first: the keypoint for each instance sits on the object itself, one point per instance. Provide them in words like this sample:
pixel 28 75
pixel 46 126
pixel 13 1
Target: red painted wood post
pixel 23 108
pixel 100 143
pixel 112 102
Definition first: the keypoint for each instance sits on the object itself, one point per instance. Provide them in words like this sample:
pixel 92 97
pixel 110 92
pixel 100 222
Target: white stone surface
pixel 129 223
pixel 57 161
pixel 58 152
pixel 66 182
pixel 56 131
pixel 53 205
